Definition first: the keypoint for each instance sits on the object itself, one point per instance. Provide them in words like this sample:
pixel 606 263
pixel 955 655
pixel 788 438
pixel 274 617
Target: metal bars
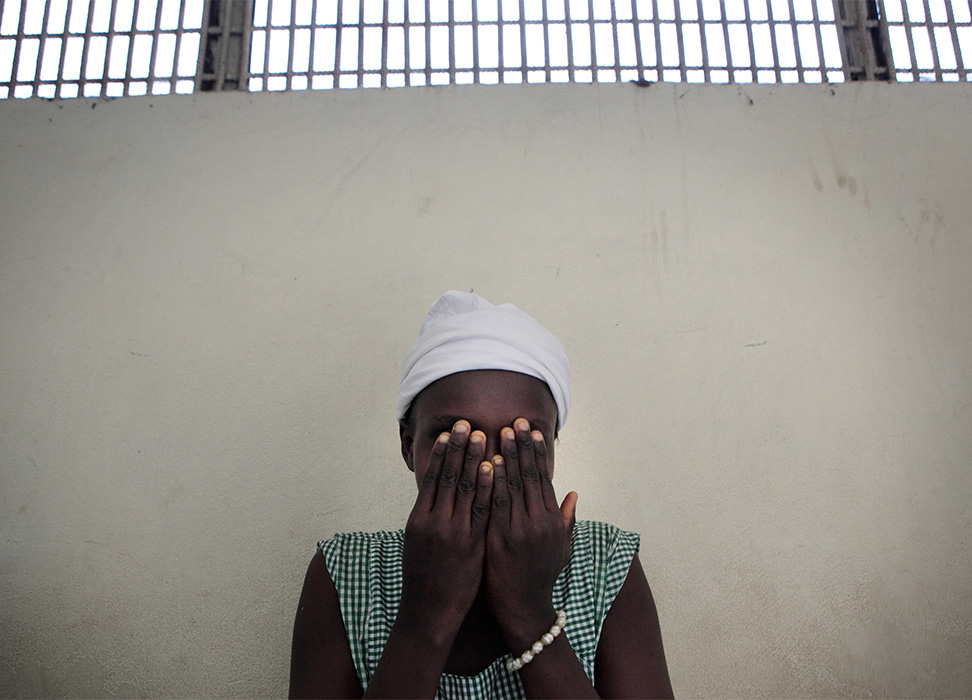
pixel 863 44
pixel 70 48
pixel 91 48
pixel 928 40
pixel 428 42
pixel 226 40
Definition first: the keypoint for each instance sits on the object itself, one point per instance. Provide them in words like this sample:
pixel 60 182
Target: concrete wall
pixel 765 293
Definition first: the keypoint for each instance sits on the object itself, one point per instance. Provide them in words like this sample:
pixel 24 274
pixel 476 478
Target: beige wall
pixel 765 293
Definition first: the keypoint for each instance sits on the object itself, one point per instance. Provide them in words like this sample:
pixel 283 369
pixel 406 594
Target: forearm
pixel 412 662
pixel 556 672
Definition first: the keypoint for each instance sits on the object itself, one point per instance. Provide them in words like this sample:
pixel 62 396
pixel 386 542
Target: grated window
pixel 90 48
pixel 393 43
pixel 72 48
pixel 929 40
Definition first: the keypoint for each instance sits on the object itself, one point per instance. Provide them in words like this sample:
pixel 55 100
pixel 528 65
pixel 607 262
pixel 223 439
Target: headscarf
pixel 463 331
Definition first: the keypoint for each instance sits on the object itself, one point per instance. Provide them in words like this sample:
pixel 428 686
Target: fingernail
pixel 497 461
pixel 522 424
pixel 476 437
pixel 507 433
pixel 460 427
pixel 444 437
pixel 485 467
pixel 537 436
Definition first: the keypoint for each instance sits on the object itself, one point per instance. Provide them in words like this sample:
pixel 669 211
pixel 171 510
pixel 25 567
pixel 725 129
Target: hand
pixel 445 538
pixel 528 541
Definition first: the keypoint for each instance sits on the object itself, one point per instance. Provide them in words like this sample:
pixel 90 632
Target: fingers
pixel 480 512
pixel 430 480
pixel 466 487
pixel 499 516
pixel 514 480
pixel 529 471
pixel 546 485
pixel 456 486
pixel 452 462
pixel 568 509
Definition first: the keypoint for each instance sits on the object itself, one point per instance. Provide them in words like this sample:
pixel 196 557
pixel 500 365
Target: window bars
pixel 384 43
pixel 70 48
pixel 930 40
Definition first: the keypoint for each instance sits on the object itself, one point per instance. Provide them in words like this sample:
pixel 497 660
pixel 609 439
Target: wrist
pixel 524 629
pixel 545 640
pixel 429 629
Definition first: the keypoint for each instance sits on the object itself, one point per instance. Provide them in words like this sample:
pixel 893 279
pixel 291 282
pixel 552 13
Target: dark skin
pixel 484 545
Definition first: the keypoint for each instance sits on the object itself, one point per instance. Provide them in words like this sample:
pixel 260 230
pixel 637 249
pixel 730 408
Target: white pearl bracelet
pixel 527 656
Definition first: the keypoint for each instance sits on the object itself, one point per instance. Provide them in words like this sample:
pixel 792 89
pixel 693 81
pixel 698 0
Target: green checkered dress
pixel 367 572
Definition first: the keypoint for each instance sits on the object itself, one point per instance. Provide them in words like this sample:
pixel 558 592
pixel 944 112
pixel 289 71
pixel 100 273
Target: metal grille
pixel 929 40
pixel 70 48
pixel 392 43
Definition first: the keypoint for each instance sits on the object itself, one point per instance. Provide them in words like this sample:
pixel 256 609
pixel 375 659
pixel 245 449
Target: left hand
pixel 528 540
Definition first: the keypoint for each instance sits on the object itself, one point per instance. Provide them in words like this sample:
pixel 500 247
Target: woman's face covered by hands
pixel 489 400
pixel 486 517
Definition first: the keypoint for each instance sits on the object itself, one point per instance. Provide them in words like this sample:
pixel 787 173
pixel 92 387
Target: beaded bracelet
pixel 527 656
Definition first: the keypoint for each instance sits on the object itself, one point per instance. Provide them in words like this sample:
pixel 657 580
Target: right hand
pixel 445 537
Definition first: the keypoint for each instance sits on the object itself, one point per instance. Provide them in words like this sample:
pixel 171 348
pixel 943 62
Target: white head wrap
pixel 464 332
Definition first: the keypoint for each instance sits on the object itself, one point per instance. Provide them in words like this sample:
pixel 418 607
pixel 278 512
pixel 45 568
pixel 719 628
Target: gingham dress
pixel 367 571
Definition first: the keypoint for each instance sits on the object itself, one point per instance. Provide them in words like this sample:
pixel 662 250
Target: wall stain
pixel 111 548
pixel 930 216
pixel 817 182
pixel 849 182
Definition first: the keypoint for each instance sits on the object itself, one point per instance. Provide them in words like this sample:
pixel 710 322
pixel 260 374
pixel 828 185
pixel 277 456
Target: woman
pixel 492 589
